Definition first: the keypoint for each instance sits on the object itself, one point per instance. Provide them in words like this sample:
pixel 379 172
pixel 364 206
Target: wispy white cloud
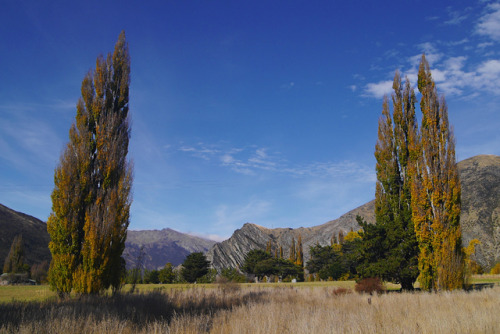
pixel 432 54
pixel 343 170
pixel 378 89
pixel 455 17
pixel 251 160
pixel 201 151
pixel 450 74
pixel 489 24
pixel 28 142
pixel 24 107
pixel 245 160
pixel 485 45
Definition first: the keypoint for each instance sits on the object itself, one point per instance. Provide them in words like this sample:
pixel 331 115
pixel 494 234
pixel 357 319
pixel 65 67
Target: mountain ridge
pixel 152 249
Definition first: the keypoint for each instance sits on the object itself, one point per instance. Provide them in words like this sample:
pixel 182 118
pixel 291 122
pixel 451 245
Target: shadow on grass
pixel 139 309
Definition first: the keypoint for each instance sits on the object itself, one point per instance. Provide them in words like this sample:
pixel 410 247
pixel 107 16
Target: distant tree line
pixel 273 265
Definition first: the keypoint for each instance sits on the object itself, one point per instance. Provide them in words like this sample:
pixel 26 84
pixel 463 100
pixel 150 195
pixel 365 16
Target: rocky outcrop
pixel 231 252
pixel 480 219
pixel 155 248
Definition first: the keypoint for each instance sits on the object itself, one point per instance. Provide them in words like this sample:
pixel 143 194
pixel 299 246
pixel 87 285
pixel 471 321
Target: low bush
pixel 370 285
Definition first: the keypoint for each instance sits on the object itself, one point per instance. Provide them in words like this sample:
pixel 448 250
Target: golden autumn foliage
pixel 495 270
pixel 293 252
pixel 353 235
pixel 300 254
pixel 436 193
pixel 390 245
pixel 92 183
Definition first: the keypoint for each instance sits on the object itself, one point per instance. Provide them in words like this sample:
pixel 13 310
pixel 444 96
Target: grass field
pixel 39 293
pixel 323 307
pixel 42 292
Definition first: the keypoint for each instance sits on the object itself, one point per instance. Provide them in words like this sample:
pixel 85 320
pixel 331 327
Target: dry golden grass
pixel 230 308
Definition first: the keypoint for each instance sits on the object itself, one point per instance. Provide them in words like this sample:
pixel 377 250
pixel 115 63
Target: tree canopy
pixel 390 246
pixel 260 263
pixel 195 266
pixel 92 183
pixel 436 193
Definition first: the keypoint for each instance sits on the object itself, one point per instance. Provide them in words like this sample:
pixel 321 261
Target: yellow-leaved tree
pixel 436 193
pixel 92 183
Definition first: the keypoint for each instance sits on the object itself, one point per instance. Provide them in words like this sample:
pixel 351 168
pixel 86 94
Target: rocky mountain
pixel 480 179
pixel 34 233
pixel 231 252
pixel 480 218
pixel 157 247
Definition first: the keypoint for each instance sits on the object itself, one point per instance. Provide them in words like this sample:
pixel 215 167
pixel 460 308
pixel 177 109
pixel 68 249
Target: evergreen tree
pixel 14 262
pixel 390 246
pixel 436 193
pixel 167 275
pixel 91 197
pixel 252 258
pixel 325 261
pixel 194 266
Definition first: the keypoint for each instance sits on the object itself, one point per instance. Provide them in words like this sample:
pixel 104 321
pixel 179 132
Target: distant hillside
pixel 480 179
pixel 34 232
pixel 480 218
pixel 160 247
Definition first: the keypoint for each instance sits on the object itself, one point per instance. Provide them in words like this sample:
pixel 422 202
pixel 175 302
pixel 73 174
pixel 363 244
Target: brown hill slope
pixel 159 247
pixel 480 178
pixel 34 232
pixel 480 218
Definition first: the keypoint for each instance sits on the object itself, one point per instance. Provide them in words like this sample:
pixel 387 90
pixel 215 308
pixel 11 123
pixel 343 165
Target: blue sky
pixel 261 111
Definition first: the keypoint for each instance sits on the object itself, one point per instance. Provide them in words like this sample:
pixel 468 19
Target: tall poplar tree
pixel 389 246
pixel 300 253
pixel 293 250
pixel 91 197
pixel 436 193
